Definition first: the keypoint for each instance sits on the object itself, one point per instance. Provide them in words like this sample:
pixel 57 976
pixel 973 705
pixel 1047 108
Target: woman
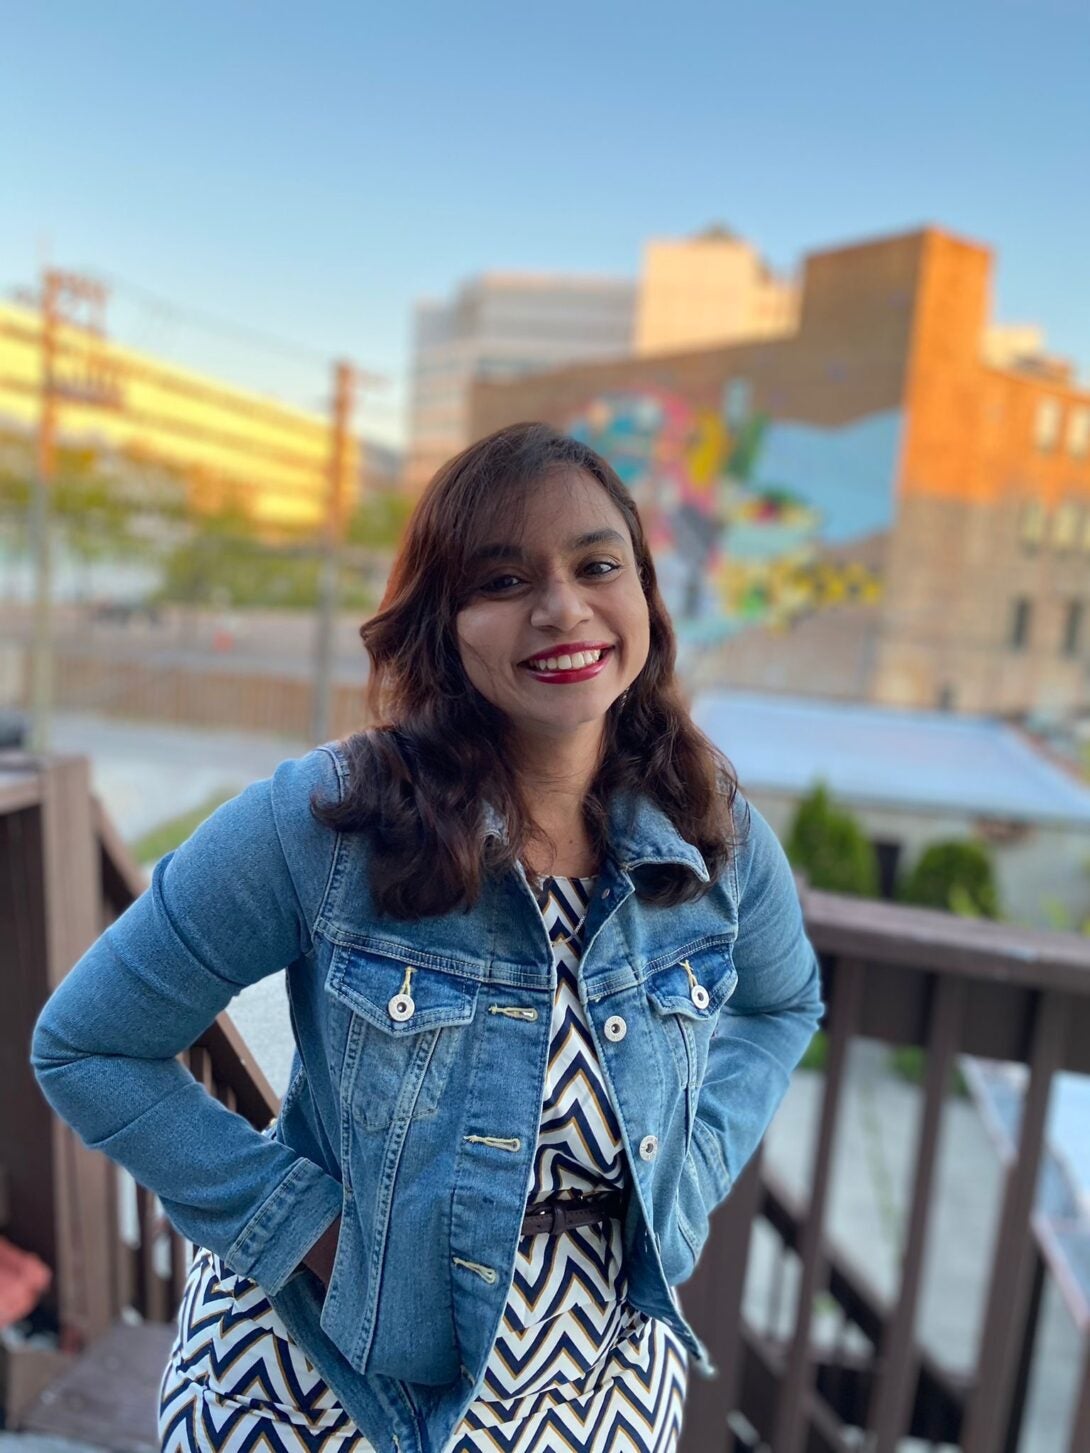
pixel 548 979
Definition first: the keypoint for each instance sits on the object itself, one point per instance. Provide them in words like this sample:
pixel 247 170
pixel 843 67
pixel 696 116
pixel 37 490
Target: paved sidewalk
pixel 34 1443
pixel 147 774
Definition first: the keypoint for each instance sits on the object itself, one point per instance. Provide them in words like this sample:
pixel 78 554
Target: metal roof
pixel 921 760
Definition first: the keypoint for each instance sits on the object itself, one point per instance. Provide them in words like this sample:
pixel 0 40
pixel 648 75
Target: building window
pixel 1020 623
pixel 1031 526
pixel 1065 527
pixel 1073 627
pixel 1078 432
pixel 1046 426
pixel 737 401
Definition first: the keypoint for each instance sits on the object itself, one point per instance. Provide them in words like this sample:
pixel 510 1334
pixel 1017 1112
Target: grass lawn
pixel 169 835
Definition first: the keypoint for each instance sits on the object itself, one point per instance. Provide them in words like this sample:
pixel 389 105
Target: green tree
pixel 379 520
pixel 956 875
pixel 102 506
pixel 828 845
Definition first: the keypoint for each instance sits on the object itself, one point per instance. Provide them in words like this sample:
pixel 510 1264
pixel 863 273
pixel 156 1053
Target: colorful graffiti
pixel 752 520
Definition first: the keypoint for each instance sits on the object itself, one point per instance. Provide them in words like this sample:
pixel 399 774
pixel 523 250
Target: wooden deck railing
pixel 951 986
pixel 64 876
pixel 902 976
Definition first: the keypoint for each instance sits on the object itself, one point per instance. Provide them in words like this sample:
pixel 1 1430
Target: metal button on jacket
pixel 401 1007
pixel 615 1028
pixel 699 996
pixel 649 1147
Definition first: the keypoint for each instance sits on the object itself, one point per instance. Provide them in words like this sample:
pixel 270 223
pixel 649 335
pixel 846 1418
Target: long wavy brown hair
pixel 439 751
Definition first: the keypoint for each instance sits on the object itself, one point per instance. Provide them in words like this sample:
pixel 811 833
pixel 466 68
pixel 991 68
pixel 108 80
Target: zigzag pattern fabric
pixel 237 1383
pixel 573 1367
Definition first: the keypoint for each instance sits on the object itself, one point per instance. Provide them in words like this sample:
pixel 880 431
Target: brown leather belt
pixel 551 1218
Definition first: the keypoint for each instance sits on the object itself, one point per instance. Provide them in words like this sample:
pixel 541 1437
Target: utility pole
pixel 345 380
pixel 41 650
pixel 91 383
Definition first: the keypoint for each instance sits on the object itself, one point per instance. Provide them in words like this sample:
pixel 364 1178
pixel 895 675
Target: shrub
pixel 828 845
pixel 956 875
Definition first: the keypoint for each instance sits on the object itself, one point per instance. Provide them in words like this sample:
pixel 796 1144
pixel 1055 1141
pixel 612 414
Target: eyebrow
pixel 575 542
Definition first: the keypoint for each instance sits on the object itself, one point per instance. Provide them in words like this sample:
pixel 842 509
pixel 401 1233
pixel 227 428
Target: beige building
pixel 499 326
pixel 710 289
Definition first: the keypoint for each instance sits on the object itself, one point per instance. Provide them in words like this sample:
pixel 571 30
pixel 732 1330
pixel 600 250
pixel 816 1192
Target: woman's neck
pixel 555 776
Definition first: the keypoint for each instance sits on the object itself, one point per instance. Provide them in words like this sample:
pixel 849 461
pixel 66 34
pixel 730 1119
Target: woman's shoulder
pixel 322 772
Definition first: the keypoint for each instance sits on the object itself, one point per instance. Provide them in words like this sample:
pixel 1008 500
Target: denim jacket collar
pixel 640 834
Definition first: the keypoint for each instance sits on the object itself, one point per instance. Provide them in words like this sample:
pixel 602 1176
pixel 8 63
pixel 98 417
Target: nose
pixel 559 605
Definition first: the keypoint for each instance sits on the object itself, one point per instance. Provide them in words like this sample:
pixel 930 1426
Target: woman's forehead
pixel 529 543
pixel 567 504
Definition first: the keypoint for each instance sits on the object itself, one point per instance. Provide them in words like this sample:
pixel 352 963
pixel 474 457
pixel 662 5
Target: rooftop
pixel 918 760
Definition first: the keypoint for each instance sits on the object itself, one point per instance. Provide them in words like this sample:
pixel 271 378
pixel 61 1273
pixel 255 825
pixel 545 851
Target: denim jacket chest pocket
pixel 686 991
pixel 403 1024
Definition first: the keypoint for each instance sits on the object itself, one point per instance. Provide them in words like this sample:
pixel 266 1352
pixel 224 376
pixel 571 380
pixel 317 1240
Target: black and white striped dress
pixel 573 1367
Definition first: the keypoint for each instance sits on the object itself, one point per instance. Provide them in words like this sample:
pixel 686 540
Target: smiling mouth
pixel 568 666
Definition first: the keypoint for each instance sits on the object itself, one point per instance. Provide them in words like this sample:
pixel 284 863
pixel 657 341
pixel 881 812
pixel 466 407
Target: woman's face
pixel 556 626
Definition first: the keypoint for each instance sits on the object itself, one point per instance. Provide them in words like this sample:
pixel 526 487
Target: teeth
pixel 565 663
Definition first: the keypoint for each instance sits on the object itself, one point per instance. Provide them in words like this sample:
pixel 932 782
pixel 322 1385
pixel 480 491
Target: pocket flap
pixel 671 987
pixel 367 982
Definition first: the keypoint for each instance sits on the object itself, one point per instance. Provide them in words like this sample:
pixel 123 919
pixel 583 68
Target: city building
pixel 223 442
pixel 497 326
pixel 983 779
pixel 868 507
pixel 709 289
pixel 381 468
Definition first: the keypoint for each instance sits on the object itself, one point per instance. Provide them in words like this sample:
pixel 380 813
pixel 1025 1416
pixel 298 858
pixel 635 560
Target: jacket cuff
pixel 290 1220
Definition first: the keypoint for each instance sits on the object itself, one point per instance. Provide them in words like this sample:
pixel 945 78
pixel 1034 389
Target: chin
pixel 559 726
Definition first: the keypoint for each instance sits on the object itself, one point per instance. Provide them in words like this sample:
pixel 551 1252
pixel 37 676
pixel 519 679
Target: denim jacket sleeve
pixel 768 1022
pixel 233 904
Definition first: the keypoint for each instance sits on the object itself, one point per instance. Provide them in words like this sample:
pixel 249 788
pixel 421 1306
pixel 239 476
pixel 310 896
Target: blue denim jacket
pixel 420 1131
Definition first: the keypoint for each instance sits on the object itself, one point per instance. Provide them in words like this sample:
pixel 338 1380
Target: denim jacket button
pixel 401 1007
pixel 649 1147
pixel 700 996
pixel 615 1028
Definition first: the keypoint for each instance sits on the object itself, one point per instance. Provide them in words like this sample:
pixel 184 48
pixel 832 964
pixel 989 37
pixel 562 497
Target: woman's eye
pixel 499 583
pixel 505 583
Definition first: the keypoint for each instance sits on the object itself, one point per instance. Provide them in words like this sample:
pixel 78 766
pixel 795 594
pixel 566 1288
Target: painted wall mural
pixel 752 520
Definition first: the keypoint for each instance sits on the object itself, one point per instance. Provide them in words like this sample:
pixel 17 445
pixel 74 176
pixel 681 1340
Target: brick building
pixel 871 506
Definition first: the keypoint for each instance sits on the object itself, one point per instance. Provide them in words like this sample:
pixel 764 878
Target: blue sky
pixel 309 170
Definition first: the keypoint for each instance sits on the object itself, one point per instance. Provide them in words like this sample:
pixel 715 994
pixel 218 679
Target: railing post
pixel 1020 1389
pixel 713 1302
pixel 1008 1290
pixel 55 857
pixel 795 1390
pixel 896 1381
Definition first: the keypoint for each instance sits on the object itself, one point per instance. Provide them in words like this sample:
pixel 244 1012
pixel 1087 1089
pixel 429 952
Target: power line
pixel 224 327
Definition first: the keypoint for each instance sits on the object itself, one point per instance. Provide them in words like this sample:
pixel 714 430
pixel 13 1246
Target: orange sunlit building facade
pixel 871 506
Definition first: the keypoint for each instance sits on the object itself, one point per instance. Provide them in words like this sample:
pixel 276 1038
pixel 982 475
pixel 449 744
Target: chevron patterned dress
pixel 574 1368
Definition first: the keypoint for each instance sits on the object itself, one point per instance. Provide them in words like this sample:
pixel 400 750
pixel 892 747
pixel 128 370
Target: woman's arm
pixel 768 1022
pixel 232 905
